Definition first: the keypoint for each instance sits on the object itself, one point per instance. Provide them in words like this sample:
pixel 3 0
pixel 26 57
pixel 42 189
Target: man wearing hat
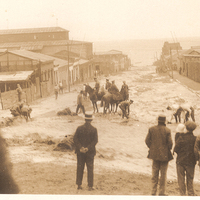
pixel 159 142
pixel 108 84
pixel 85 139
pixel 125 107
pixel 186 161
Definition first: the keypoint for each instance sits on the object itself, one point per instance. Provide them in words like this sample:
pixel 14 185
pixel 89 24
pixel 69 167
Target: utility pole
pixel 68 66
pixel 171 61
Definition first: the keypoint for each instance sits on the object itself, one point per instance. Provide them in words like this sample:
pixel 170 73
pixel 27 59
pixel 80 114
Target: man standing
pixel 56 90
pixel 60 87
pixel 97 85
pixel 80 102
pixel 124 90
pixel 108 84
pixel 85 140
pixel 19 92
pixel 159 142
pixel 185 162
pixel 125 107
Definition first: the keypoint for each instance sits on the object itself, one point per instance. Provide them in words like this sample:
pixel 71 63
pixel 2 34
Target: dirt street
pixel 121 164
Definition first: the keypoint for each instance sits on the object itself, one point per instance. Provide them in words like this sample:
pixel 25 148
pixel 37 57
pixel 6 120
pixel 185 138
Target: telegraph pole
pixel 171 61
pixel 68 66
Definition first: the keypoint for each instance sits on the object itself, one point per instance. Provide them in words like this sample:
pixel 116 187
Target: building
pixel 167 47
pixel 190 63
pixel 33 71
pixel 53 41
pixel 110 61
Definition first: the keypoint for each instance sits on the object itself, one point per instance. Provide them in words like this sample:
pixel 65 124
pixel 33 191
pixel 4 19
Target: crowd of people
pixel 187 148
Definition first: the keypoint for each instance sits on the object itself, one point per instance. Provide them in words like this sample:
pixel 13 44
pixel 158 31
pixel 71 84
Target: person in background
pixel 124 91
pixel 125 107
pixel 80 102
pixel 19 92
pixel 60 87
pixel 108 84
pixel 176 113
pixel 186 160
pixel 192 113
pixel 159 142
pixel 85 140
pixel 113 88
pixel 56 90
pixel 97 85
pixel 180 129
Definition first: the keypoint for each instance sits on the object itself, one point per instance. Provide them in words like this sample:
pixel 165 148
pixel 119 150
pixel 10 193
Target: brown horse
pixel 111 100
pixel 94 97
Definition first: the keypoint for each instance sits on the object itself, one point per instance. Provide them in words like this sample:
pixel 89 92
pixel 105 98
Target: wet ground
pixel 121 143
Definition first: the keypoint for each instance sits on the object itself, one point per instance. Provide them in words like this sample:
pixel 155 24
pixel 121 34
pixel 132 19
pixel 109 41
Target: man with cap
pixel 159 142
pixel 124 90
pixel 186 161
pixel 108 84
pixel 85 140
pixel 80 102
pixel 97 85
pixel 125 107
pixel 113 88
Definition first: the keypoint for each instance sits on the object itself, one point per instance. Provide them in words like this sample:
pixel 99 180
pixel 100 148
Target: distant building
pixel 190 63
pixel 53 41
pixel 170 46
pixel 110 61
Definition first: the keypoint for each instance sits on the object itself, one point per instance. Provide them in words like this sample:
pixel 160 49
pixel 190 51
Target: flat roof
pixel 31 30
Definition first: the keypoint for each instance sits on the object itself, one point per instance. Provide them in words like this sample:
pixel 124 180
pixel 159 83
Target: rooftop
pixel 32 30
pixel 15 76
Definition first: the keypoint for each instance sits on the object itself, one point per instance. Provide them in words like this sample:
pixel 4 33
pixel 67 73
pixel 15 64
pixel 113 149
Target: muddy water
pixel 121 142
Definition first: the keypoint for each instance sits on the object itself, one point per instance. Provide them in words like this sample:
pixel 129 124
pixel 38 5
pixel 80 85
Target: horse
pixel 111 100
pixel 94 97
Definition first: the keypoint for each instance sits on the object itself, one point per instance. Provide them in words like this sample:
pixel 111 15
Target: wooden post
pixel 1 100
pixel 171 61
pixel 68 67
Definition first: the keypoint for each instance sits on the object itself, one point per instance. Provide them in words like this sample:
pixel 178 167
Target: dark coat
pixel 159 142
pixel 108 84
pixel 86 136
pixel 184 148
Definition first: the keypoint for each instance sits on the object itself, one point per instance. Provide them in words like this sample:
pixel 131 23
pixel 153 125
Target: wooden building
pixel 110 61
pixel 53 41
pixel 36 69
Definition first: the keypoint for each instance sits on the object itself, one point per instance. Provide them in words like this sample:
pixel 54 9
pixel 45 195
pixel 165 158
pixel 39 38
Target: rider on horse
pixel 108 84
pixel 97 85
pixel 114 90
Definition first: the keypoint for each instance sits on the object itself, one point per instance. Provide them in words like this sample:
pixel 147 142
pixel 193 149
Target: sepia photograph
pixel 99 99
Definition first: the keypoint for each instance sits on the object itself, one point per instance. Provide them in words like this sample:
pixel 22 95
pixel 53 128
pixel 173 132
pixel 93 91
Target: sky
pixel 104 20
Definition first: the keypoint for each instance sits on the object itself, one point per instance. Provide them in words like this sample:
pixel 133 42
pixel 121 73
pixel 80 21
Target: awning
pixel 15 76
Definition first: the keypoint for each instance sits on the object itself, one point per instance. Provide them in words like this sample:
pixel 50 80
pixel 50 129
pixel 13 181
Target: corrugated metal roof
pixel 31 55
pixel 80 62
pixel 32 30
pixel 15 76
pixel 31 48
pixel 44 43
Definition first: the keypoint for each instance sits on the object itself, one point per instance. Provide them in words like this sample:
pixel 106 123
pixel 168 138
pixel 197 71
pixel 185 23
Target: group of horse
pixel 108 100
